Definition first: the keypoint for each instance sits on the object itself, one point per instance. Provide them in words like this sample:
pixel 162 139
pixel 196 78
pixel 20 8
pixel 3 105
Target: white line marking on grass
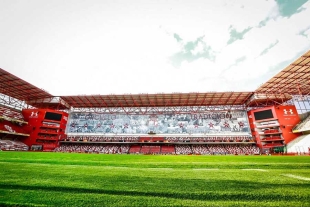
pixel 262 170
pixel 137 168
pixel 154 168
pixel 296 176
pixel 205 168
pixel 113 167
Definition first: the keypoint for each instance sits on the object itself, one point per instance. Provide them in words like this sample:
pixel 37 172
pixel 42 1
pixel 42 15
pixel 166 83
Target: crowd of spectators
pixel 183 149
pixel 211 139
pixel 13 145
pixel 179 149
pixel 100 139
pixel 200 149
pixel 171 139
pixel 204 122
pixel 217 149
pixel 91 148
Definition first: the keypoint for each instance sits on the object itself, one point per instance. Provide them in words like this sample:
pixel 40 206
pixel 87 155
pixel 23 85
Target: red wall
pixel 43 131
pixel 252 127
pixel 287 117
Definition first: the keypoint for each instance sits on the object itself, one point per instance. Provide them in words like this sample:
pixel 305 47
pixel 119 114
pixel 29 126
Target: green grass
pixel 60 179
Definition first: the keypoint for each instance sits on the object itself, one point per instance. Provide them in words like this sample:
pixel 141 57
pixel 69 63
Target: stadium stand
pixel 175 123
pixel 135 149
pixel 168 149
pixel 155 150
pixel 303 126
pixel 11 145
pixel 100 139
pixel 183 150
pixel 178 149
pixel 200 150
pixel 145 150
pixel 150 149
pixel 94 148
pixel 217 150
pixel 301 145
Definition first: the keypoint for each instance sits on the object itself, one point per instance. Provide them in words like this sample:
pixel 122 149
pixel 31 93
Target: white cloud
pixel 102 47
pixel 199 49
pixel 284 31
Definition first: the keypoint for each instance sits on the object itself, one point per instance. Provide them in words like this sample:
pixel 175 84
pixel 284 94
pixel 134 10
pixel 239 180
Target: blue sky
pixel 73 47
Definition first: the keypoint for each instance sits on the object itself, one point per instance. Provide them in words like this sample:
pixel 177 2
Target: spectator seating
pixel 154 149
pixel 91 148
pixel 270 131
pixel 303 125
pixel 271 138
pixel 13 145
pixel 225 149
pixel 211 139
pixel 183 149
pixel 217 149
pixel 200 150
pixel 134 149
pixel 145 150
pixel 276 144
pixel 124 149
pixel 168 149
pixel 100 139
pixel 158 139
pixel 178 149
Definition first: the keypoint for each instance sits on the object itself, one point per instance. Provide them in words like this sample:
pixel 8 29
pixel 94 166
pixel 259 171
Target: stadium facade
pixel 273 118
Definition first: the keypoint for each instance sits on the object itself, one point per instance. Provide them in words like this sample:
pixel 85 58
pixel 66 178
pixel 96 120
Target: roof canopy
pixel 159 100
pixel 15 87
pixel 293 80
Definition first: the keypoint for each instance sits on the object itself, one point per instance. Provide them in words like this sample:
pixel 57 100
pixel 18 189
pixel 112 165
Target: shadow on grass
pixel 217 195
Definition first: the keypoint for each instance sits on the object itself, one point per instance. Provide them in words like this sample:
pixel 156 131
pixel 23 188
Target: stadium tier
pixel 262 121
pixel 175 149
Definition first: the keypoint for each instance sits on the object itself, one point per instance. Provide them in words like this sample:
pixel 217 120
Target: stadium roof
pixel 159 100
pixel 15 87
pixel 293 80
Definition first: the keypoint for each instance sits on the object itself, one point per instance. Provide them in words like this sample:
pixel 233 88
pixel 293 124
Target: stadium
pixel 87 148
pixel 272 119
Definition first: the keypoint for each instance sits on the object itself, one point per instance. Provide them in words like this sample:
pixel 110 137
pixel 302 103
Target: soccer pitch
pixel 64 179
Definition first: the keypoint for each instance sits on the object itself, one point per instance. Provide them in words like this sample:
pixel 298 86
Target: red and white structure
pixel 175 123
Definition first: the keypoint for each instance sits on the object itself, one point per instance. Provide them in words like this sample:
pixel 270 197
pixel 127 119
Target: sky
pixel 79 47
